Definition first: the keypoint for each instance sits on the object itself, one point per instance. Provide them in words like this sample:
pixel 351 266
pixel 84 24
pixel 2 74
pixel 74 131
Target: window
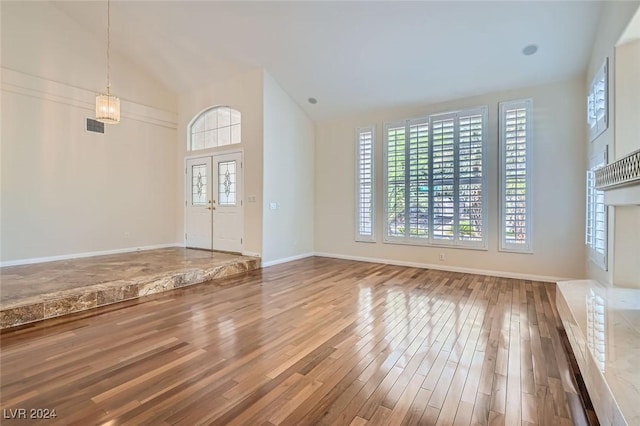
pixel 199 185
pixel 365 222
pixel 597 103
pixel 515 176
pixel 434 180
pixel 596 215
pixel 217 126
pixel 227 183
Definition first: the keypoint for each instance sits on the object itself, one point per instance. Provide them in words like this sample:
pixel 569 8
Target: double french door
pixel 214 204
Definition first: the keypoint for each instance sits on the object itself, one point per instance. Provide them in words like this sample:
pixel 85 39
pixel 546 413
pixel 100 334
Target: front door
pixel 214 205
pixel 199 219
pixel 227 203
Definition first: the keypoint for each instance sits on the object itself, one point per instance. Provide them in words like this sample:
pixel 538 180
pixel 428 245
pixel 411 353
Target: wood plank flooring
pixel 317 341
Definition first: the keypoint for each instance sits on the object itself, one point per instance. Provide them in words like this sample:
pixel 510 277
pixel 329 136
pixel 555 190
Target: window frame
pixel 363 238
pixel 201 115
pixel 407 239
pixel 527 104
pixel 406 124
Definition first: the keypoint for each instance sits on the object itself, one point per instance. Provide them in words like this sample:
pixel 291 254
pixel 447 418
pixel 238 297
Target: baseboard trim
pixel 287 259
pixel 502 274
pixel 86 254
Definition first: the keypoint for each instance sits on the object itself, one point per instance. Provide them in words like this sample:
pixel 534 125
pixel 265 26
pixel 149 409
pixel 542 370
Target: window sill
pixel 364 241
pixel 515 251
pixel 426 244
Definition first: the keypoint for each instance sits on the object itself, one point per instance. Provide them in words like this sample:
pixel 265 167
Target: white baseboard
pixel 287 259
pixel 503 274
pixel 86 254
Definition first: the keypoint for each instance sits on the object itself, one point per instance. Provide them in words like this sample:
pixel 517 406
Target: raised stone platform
pixel 47 290
pixel 603 328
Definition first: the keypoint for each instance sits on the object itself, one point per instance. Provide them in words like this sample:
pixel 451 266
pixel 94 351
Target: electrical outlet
pixel 441 256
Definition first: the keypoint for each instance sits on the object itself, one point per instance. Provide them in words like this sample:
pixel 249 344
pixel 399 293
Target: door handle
pixel 211 208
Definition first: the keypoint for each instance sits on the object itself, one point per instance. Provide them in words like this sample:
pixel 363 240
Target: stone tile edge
pixel 92 293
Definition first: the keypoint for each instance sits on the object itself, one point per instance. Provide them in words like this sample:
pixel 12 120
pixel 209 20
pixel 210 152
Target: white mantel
pixel 624 196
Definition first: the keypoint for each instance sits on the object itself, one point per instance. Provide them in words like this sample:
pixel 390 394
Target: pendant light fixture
pixel 107 105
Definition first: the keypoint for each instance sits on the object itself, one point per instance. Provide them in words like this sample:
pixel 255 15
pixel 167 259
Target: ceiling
pixel 632 32
pixel 351 56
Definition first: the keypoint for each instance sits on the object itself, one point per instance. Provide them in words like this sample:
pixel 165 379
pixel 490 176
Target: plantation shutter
pixel 395 181
pixel 365 184
pixel 515 147
pixel 419 179
pixel 470 188
pixel 590 222
pixel 597 103
pixel 596 215
pixel 457 178
pixel 442 172
pixel 434 180
pixel 599 249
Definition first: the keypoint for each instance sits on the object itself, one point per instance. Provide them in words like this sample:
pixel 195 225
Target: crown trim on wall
pixel 52 91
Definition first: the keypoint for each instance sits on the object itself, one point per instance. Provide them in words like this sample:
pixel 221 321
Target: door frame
pixel 186 188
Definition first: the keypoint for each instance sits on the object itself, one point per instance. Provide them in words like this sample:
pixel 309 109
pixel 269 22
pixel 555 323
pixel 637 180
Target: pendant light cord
pixel 108 45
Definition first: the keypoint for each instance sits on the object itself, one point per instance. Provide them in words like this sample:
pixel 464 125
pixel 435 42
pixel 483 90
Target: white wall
pixel 627 98
pixel 41 40
pixel 626 238
pixel 558 187
pixel 626 254
pixel 244 93
pixel 614 17
pixel 66 191
pixel 288 176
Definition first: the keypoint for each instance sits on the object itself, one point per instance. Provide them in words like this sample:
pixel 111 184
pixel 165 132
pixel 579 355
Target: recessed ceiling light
pixel 312 101
pixel 530 50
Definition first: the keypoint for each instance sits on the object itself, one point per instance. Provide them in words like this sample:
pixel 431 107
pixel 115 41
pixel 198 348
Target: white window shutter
pixel 434 180
pixel 418 175
pixel 598 102
pixel 443 136
pixel 395 180
pixel 471 201
pixel 515 177
pixel 596 215
pixel 365 184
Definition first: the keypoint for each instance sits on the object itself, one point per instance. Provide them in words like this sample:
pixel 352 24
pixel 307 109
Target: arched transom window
pixel 217 126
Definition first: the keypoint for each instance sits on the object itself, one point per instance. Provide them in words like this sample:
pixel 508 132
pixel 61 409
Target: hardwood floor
pixel 316 341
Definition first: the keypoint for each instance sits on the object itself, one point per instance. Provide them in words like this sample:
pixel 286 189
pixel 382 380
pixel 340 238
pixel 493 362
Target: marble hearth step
pixel 36 292
pixel 603 328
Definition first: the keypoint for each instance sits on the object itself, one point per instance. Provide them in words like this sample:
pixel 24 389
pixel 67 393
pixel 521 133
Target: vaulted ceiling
pixel 352 56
